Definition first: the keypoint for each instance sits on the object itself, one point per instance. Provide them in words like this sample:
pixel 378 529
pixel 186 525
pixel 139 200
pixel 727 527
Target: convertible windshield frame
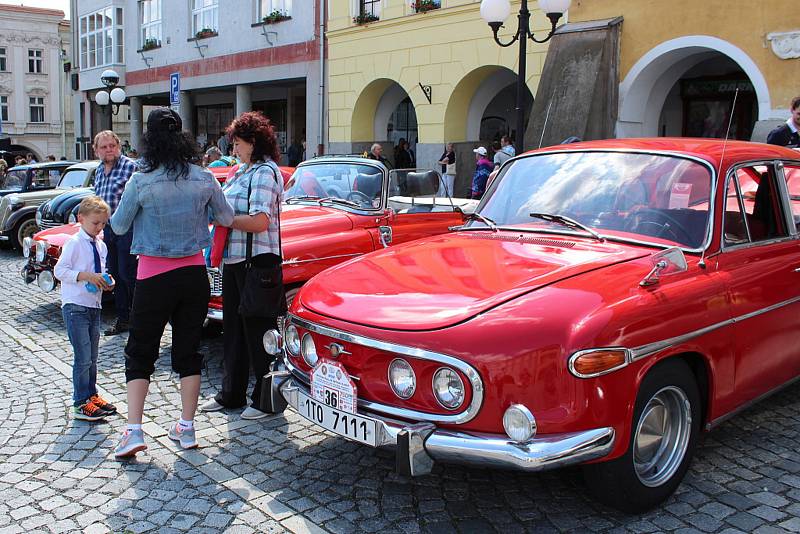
pixel 713 171
pixel 341 205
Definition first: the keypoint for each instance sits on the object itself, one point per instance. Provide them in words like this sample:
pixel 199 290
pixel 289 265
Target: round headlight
pixel 272 341
pixel 402 378
pixel 41 251
pixel 292 340
pixel 39 218
pixel 448 388
pixel 519 423
pixel 46 281
pixel 27 243
pixel 309 350
pixel 72 218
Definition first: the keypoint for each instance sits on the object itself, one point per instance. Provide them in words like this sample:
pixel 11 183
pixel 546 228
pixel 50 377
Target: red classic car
pixel 340 207
pixel 607 302
pixel 44 249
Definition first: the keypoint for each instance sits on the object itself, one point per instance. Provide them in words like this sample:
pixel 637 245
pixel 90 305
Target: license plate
pixel 345 424
pixel 332 386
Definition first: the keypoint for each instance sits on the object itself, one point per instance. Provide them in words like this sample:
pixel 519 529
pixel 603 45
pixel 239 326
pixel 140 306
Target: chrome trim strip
pixel 575 356
pixel 489 450
pixel 297 262
pixel 651 348
pixel 467 370
pixel 783 188
pixel 214 314
pixel 721 419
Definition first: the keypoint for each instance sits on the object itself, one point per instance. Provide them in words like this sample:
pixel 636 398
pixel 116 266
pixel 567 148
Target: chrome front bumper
pixel 214 314
pixel 417 446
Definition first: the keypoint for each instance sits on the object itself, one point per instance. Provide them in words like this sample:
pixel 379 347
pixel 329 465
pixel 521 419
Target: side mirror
pixel 666 262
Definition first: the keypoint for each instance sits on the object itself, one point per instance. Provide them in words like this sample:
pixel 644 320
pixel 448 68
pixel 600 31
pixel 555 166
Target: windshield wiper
pixel 337 200
pixel 305 197
pixel 475 216
pixel 568 222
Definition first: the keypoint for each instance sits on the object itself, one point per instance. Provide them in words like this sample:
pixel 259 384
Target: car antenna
pixel 546 117
pixel 702 262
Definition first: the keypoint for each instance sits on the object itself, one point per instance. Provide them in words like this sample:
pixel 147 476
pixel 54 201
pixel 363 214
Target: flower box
pixel 423 6
pixel 205 33
pixel 275 16
pixel 365 18
pixel 150 44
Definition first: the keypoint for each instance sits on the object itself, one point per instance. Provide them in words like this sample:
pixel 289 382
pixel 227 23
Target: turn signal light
pixel 590 363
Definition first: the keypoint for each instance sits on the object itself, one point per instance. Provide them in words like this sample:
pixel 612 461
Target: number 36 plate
pixel 332 386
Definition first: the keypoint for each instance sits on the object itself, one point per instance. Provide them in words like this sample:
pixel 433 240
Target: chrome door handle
pixel 797 270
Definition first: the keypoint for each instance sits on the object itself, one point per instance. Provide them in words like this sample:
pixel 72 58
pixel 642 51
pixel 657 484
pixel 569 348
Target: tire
pixel 664 433
pixel 25 228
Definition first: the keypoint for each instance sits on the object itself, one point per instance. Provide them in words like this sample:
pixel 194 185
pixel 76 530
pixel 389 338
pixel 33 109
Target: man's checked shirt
pixel 110 187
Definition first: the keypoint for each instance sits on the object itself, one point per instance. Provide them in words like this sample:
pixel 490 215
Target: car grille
pixel 215 281
pixel 47 224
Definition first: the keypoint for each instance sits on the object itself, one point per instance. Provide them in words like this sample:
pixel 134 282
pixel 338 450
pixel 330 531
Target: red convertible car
pixel 607 302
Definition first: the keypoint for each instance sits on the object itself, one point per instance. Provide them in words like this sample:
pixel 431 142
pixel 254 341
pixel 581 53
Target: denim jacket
pixel 170 217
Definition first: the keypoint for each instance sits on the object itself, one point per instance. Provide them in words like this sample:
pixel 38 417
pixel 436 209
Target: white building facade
pixel 231 56
pixel 35 113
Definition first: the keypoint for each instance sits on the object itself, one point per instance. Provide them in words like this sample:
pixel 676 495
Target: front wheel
pixel 25 228
pixel 664 432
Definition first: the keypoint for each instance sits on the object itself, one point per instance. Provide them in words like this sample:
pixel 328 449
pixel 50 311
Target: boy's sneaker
pixel 186 437
pixel 131 442
pixel 88 412
pixel 103 404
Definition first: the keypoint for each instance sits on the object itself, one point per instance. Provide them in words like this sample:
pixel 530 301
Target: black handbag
pixel 263 294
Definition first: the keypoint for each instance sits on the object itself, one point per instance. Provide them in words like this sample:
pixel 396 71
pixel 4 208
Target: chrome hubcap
pixel 662 436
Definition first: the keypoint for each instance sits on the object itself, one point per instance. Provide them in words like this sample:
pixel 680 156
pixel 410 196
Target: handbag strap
pixel 249 246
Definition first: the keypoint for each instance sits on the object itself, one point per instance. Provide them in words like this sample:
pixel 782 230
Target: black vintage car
pixel 63 209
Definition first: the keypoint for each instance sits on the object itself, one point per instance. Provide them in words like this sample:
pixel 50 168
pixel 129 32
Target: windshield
pixel 13 180
pixel 646 197
pixel 361 185
pixel 74 178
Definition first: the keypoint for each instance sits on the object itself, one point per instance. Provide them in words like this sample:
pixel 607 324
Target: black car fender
pixel 19 215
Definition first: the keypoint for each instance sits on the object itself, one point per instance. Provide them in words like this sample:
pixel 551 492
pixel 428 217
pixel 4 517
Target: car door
pixel 760 263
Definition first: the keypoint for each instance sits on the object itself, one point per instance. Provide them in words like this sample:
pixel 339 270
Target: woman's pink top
pixel 150 266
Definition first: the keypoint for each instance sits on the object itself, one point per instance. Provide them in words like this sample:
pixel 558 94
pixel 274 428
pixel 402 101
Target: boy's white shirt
pixel 77 256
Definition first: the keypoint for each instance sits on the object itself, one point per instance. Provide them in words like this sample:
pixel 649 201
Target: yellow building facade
pixel 380 75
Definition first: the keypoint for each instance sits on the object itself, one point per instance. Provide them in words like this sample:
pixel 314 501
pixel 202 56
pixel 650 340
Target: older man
pixel 109 183
pixel 376 153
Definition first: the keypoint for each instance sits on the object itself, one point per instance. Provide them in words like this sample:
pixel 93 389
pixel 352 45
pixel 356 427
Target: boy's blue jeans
pixel 83 329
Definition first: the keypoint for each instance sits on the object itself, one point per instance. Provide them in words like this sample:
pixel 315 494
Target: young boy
pixel 80 269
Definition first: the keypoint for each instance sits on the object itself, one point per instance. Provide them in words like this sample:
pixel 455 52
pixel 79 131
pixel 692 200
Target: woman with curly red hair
pixel 255 193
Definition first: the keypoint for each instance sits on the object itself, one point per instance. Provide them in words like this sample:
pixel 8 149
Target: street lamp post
pixel 495 12
pixel 113 97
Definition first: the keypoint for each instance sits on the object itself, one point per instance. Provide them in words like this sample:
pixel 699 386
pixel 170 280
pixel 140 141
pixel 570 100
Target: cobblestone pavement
pixel 279 474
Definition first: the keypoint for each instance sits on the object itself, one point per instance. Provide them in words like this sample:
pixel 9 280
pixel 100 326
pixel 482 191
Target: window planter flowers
pixel 364 18
pixel 150 43
pixel 423 6
pixel 275 16
pixel 205 33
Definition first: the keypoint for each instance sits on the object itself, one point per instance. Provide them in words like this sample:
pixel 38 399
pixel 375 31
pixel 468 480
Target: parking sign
pixel 175 88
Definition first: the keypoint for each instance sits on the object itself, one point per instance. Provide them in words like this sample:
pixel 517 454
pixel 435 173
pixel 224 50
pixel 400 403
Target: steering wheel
pixel 358 196
pixel 665 225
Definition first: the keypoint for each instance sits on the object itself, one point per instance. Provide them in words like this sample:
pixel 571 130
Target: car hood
pixel 65 201
pixel 58 235
pixel 301 222
pixel 443 280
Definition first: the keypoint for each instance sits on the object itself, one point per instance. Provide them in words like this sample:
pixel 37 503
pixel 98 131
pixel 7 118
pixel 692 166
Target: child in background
pixel 81 270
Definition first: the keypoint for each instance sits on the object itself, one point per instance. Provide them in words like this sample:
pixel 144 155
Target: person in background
pixel 255 192
pixel 483 167
pixel 126 148
pixel 110 178
pixel 172 284
pixel 51 157
pixel 403 156
pixel 80 269
pixel 448 162
pixel 295 153
pixel 217 159
pixel 507 147
pixel 224 144
pixel 788 134
pixel 30 159
pixel 376 153
pixel 500 155
pixel 3 167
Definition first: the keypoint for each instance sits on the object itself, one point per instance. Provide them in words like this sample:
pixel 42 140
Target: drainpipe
pixel 321 134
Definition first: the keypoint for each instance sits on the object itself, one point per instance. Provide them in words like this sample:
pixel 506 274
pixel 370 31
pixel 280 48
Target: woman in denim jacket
pixel 169 205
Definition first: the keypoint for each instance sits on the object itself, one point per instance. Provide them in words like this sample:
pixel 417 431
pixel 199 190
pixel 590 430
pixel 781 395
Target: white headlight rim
pixel 292 340
pixel 458 400
pixel 272 341
pixel 402 365
pixel 41 251
pixel 519 423
pixel 309 350
pixel 46 281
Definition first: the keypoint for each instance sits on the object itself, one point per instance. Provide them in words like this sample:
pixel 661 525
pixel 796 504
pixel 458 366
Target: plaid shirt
pixel 265 197
pixel 110 187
